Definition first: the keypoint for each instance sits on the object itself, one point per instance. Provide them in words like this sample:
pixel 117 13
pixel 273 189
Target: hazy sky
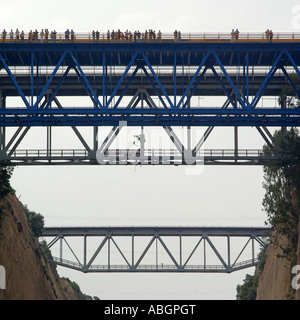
pixel 226 196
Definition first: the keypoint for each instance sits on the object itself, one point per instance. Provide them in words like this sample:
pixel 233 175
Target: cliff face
pixel 275 282
pixel 29 276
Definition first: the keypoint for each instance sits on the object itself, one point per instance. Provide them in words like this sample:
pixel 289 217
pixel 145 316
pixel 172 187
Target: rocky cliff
pixel 29 276
pixel 275 282
pixel 278 280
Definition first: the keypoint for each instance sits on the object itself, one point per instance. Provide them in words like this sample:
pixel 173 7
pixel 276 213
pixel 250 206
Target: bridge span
pixel 155 249
pixel 145 82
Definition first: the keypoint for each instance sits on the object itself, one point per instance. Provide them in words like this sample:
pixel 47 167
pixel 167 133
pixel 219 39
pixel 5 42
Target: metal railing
pixel 148 267
pixel 146 36
pixel 133 153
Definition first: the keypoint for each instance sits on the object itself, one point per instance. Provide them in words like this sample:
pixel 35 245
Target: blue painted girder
pixel 150 117
pixel 142 56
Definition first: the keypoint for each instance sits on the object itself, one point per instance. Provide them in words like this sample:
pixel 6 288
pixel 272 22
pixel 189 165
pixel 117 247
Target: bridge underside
pixel 155 249
pixel 144 85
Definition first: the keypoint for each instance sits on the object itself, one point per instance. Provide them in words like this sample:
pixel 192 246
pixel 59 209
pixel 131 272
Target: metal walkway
pixel 155 249
pixel 150 157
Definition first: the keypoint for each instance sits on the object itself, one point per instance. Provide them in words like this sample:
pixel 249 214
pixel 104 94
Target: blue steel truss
pixel 145 84
pixel 148 58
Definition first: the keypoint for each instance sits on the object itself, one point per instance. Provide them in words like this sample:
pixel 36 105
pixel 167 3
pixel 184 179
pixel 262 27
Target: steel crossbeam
pixel 193 249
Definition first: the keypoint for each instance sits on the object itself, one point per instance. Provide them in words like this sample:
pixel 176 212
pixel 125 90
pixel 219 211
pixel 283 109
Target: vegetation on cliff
pixel 247 291
pixel 6 172
pixel 281 202
pixel 282 185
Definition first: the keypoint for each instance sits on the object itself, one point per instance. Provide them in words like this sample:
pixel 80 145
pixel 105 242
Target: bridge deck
pixel 148 36
pixel 150 231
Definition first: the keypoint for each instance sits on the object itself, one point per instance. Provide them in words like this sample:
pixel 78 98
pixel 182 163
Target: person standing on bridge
pixel 271 35
pixel 175 35
pixel 22 36
pixel 53 36
pixel 46 35
pixel 237 34
pixel 72 35
pixel 159 35
pixel 232 35
pixel 42 34
pixel 67 35
pixel 35 35
pixel 11 35
pixel 30 36
pixel 17 35
pixel 4 35
pixel 267 35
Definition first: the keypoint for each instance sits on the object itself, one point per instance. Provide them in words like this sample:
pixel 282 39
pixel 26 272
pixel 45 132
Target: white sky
pixel 226 196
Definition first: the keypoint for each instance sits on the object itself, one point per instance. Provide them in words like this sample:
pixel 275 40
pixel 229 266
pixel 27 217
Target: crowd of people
pixel 69 35
pixel 32 36
pixel 235 35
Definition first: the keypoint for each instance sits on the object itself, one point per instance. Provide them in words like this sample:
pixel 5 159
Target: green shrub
pixel 35 221
pixel 247 291
pixel 6 172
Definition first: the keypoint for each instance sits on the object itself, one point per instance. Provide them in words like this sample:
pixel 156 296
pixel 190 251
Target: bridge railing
pixel 133 153
pixel 146 36
pixel 153 267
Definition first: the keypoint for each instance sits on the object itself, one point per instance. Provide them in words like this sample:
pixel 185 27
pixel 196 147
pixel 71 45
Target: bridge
pixel 155 249
pixel 86 82
pixel 105 87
